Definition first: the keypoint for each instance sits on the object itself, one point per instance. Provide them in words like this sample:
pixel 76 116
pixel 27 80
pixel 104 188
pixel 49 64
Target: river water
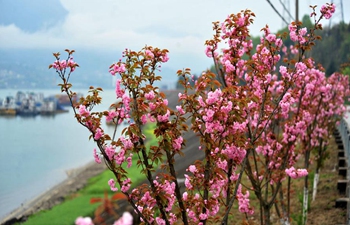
pixel 36 152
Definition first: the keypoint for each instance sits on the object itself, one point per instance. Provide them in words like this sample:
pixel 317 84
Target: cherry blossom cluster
pixel 296 173
pixel 327 10
pixel 117 68
pixel 297 34
pixel 243 201
pixel 83 221
pixel 264 109
pixel 63 64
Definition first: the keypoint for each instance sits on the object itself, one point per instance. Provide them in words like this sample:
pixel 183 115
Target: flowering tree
pixel 264 109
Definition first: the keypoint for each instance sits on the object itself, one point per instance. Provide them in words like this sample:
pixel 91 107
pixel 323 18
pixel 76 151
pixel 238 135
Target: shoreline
pixel 76 179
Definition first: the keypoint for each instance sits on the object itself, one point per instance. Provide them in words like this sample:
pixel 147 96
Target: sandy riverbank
pixel 77 179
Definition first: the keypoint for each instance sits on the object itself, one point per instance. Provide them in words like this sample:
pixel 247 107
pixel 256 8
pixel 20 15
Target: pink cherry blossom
pixel 111 115
pixel 149 54
pixel 110 151
pixel 203 216
pixel 83 111
pixel 164 118
pixel 177 143
pixel 192 169
pixel 83 221
pixel 119 157
pixel 96 157
pixel 160 221
pixel 127 143
pixel 150 95
pixel 98 134
pixel 180 109
pixel 117 68
pixel 148 199
pixel 129 160
pixel 56 65
pixel 126 219
pixel 243 201
pixel 126 185
pixel 60 65
pixel 152 106
pixel 173 219
pixel 192 216
pixel 185 196
pixel 187 182
pixel 208 51
pixel 111 183
pixel 296 173
pixel 118 90
pixel 126 101
pixel 327 10
pixel 144 119
pixel 165 58
pixel 271 37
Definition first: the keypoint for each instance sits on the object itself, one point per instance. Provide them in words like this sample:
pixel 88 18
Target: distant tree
pixel 307 21
pixel 331 68
pixel 333 50
pixel 346 71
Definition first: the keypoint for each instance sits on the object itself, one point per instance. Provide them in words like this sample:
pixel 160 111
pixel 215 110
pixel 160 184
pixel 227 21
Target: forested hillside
pixel 333 50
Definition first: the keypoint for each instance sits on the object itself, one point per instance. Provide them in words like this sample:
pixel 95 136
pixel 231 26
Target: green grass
pixel 78 204
pixel 65 213
pixel 75 205
pixel 148 130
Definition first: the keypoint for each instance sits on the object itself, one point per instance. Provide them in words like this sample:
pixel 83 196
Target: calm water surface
pixel 36 151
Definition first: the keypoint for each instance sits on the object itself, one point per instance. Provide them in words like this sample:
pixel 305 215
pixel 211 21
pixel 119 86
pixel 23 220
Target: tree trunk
pixel 305 203
pixel 284 221
pixel 284 217
pixel 314 190
pixel 318 168
pixel 306 189
pixel 267 215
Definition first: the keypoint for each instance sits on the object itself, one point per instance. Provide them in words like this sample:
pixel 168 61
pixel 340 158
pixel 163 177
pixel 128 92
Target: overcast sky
pixel 182 26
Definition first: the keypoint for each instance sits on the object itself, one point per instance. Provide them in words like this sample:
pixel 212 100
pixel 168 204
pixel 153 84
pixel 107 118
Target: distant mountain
pixel 27 68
